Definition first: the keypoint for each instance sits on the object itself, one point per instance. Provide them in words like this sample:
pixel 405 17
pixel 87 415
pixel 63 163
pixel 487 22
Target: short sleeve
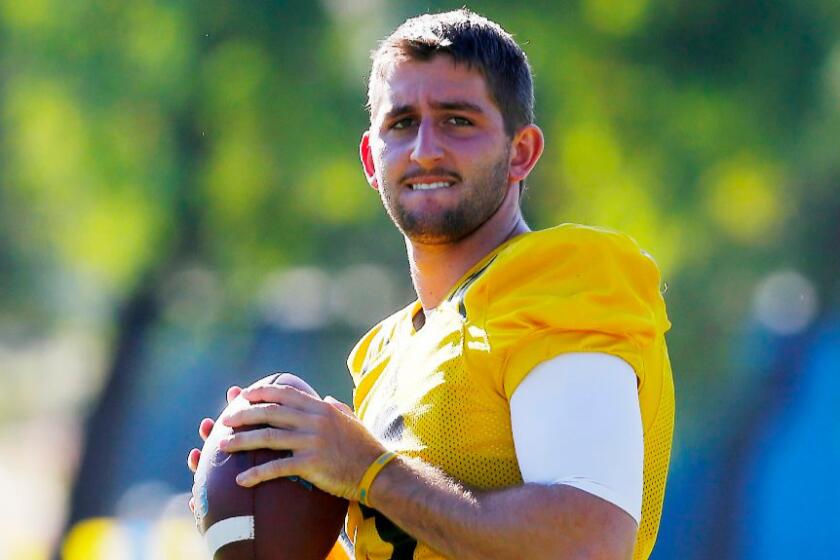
pixel 573 289
pixel 366 360
pixel 358 357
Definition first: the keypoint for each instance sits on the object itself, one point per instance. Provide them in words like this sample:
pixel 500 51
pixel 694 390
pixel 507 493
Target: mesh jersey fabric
pixel 441 394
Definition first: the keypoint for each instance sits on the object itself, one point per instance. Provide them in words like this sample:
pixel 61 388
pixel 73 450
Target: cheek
pixel 382 151
pixel 383 162
pixel 477 152
pixel 387 156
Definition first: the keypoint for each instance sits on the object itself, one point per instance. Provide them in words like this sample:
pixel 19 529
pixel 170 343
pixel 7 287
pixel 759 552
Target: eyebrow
pixel 465 106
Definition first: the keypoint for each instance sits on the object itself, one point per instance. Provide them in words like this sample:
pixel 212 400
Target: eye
pixel 402 123
pixel 459 121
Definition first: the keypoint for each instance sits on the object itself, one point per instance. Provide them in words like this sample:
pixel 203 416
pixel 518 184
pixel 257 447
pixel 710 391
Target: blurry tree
pixel 141 140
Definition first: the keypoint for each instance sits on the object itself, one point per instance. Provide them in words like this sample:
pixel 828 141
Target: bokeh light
pixel 182 209
pixel 785 302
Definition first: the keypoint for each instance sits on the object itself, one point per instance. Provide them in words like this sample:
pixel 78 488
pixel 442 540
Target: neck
pixel 436 268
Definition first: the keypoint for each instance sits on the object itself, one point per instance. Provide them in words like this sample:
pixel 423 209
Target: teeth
pixel 430 186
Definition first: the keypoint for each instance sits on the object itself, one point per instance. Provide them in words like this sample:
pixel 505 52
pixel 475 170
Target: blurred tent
pixel 181 208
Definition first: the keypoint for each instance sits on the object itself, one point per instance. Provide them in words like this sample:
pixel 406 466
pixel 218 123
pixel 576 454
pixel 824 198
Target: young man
pixel 523 406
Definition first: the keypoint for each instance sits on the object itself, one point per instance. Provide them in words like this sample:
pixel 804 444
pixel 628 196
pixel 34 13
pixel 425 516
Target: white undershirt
pixel 576 421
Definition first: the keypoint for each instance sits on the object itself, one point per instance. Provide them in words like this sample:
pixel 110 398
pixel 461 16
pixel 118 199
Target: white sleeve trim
pixel 576 421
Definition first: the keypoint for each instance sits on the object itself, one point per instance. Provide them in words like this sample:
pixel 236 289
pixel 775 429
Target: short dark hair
pixel 472 40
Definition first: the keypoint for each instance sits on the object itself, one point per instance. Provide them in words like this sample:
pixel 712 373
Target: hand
pixel 204 429
pixel 331 448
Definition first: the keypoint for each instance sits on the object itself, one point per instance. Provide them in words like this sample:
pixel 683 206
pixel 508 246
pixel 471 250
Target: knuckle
pixel 312 441
pixel 249 416
pixel 318 443
pixel 283 391
pixel 297 461
pixel 272 410
pixel 304 461
pixel 277 467
pixel 271 469
pixel 238 440
pixel 276 436
pixel 257 413
pixel 321 422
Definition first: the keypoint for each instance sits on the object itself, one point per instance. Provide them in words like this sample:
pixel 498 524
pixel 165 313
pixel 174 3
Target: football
pixel 281 519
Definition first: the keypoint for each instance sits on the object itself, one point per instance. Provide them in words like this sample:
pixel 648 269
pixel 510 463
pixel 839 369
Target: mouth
pixel 431 181
pixel 430 185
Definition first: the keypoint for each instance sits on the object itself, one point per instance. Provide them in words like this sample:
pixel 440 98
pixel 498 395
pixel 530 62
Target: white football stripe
pixel 229 530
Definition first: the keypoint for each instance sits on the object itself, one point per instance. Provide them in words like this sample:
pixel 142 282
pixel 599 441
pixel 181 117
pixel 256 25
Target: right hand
pixel 204 429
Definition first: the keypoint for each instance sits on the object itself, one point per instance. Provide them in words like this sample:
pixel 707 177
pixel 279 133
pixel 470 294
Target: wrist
pixel 371 474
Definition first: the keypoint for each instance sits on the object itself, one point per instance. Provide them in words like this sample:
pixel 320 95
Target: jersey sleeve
pixel 571 290
pixel 364 362
pixel 359 356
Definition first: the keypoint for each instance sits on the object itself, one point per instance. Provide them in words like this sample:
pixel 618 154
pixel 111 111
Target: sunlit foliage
pixel 217 141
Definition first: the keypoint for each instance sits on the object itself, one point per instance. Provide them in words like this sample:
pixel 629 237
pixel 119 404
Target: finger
pixel 193 458
pixel 265 438
pixel 192 504
pixel 233 392
pixel 282 394
pixel 272 414
pixel 297 382
pixel 270 470
pixel 338 404
pixel 205 427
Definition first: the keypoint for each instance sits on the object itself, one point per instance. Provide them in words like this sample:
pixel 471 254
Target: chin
pixel 430 239
pixel 443 227
pixel 437 235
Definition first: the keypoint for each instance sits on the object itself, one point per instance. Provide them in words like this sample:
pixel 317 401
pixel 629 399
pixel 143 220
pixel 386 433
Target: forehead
pixel 418 84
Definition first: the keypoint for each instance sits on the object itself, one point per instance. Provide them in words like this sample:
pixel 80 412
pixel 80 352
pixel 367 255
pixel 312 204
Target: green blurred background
pixel 182 208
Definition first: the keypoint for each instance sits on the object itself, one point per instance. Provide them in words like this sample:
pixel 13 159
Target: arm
pixel 333 449
pixel 586 502
pixel 530 521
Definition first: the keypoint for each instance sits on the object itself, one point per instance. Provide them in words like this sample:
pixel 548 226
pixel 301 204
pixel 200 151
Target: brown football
pixel 281 519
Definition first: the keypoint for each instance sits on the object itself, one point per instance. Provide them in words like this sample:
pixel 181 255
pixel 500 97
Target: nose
pixel 427 150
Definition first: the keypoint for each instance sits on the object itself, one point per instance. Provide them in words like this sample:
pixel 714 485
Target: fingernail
pixel 242 480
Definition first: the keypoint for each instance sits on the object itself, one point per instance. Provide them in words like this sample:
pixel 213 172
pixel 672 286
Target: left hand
pixel 331 448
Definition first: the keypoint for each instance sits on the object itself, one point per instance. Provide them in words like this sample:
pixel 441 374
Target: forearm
pixel 529 521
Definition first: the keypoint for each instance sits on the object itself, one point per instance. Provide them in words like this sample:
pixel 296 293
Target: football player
pixel 523 406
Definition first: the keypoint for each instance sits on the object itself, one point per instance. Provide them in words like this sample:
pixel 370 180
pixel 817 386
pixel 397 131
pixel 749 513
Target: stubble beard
pixel 481 200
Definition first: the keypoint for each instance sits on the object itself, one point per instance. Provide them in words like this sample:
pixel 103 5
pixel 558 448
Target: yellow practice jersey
pixel 442 394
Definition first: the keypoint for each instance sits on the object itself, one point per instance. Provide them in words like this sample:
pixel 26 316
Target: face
pixel 437 150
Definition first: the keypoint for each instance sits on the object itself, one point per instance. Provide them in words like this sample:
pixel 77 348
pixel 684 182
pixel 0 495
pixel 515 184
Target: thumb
pixel 338 404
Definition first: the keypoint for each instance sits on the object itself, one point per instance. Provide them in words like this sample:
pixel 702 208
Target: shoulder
pixel 571 251
pixel 373 343
pixel 567 289
pixel 567 261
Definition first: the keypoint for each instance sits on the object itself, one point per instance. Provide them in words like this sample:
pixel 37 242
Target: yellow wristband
pixel 370 474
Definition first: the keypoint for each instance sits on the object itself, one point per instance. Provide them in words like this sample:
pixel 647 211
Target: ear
pixel 526 148
pixel 366 156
